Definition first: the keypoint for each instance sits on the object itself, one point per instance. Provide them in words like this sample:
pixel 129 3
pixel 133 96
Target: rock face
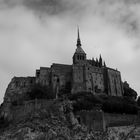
pixel 17 88
pixel 16 92
pixel 54 120
pixel 124 133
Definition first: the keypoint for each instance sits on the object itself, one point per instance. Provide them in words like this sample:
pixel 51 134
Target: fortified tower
pixel 92 75
pixel 78 68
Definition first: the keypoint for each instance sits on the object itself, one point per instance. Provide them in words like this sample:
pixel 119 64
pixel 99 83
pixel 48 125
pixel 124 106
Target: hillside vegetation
pixel 110 104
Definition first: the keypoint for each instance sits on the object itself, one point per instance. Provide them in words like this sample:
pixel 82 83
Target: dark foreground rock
pixel 55 122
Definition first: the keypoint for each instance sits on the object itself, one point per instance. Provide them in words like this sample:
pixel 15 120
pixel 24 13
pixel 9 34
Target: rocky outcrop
pixel 53 121
pixel 17 88
pixel 124 133
pixel 16 93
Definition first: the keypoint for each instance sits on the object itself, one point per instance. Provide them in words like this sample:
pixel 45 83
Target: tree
pixel 128 91
pixel 138 101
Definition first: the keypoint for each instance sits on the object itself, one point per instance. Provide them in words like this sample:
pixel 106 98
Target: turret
pixel 100 61
pixel 79 55
pixel 97 62
pixel 104 64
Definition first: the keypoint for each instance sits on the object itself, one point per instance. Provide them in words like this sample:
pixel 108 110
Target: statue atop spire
pixel 78 39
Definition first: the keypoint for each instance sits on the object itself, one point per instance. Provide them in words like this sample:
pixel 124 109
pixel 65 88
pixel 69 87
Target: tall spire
pixel 78 39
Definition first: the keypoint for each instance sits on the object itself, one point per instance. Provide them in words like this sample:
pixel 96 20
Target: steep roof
pixel 79 50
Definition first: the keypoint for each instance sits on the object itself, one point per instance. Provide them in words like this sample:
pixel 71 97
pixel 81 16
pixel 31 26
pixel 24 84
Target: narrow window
pixel 78 57
pixel 57 80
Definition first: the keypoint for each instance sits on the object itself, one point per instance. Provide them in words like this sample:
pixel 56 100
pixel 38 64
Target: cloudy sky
pixel 36 33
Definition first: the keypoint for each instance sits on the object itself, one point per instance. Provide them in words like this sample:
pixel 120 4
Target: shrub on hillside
pixel 40 92
pixel 111 104
pixel 114 104
pixel 128 91
pixel 3 123
pixel 138 101
pixel 121 106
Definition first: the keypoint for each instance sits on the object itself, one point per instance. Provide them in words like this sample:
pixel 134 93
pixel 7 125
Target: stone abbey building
pixel 83 75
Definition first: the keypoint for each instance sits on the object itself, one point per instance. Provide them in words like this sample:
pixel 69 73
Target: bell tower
pixel 79 56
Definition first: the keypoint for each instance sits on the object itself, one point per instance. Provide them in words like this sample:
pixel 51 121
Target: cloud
pixel 121 13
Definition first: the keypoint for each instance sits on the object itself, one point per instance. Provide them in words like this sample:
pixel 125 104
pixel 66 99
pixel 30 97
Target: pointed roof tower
pixel 79 48
pixel 79 56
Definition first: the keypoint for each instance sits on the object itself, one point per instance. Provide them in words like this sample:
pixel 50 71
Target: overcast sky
pixel 36 33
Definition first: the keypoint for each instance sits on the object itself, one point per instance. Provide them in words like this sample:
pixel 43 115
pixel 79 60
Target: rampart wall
pixel 92 119
pixel 98 120
pixel 119 119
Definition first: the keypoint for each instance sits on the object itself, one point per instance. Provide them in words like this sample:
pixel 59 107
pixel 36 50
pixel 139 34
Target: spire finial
pixel 78 39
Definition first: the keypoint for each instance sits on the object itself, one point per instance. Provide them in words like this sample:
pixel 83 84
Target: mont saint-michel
pixel 83 75
pixel 84 100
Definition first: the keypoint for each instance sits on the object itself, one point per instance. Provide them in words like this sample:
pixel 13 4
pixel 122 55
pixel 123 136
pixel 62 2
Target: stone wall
pixel 88 78
pixel 43 76
pixel 61 75
pixel 78 78
pixel 119 119
pixel 98 120
pixel 95 79
pixel 114 82
pixel 94 120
